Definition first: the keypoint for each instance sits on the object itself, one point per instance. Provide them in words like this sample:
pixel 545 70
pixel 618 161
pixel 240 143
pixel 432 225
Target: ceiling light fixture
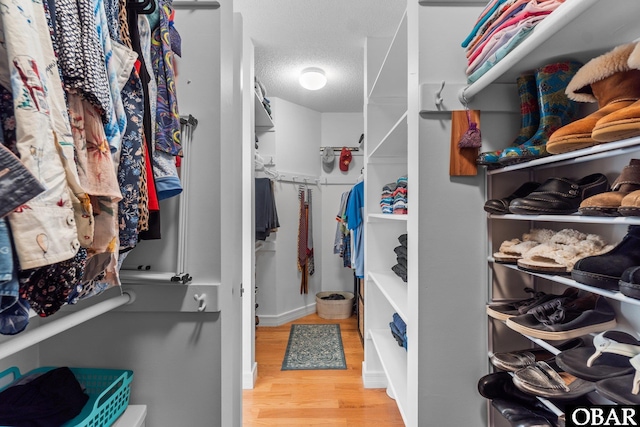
pixel 313 78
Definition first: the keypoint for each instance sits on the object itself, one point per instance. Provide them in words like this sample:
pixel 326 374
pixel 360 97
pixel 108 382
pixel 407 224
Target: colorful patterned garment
pixel 150 88
pixel 116 120
pixel 131 166
pixel 17 184
pixel 167 116
pixel 44 229
pixel 125 36
pixel 7 119
pixel 112 12
pixel 63 134
pixel 47 288
pixel 93 156
pixel 8 286
pixel 81 57
pixel 165 172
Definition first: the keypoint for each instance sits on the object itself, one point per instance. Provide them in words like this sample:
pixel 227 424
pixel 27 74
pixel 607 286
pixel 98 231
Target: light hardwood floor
pixel 314 398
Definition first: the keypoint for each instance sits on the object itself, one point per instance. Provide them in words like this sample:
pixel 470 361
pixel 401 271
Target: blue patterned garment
pixel 112 10
pixel 116 122
pixel 130 166
pixel 80 54
pixel 9 286
pixel 167 116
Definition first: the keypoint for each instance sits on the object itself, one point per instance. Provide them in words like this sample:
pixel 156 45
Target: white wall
pixel 295 149
pixel 338 129
pixel 294 146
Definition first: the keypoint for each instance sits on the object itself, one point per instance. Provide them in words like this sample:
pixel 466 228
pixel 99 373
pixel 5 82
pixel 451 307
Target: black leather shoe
pixel 605 271
pixel 501 206
pixel 560 196
pixel 630 282
pixel 499 385
pixel 522 416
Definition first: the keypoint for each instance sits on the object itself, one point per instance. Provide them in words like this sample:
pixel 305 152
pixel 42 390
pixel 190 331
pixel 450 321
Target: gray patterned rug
pixel 314 347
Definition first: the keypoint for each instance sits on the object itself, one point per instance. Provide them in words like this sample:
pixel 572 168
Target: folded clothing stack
pixel 502 26
pixel 393 199
pixel 400 196
pixel 401 257
pixel 261 91
pixel 386 198
pixel 399 330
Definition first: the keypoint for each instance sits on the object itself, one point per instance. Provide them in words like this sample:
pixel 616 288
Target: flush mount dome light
pixel 313 78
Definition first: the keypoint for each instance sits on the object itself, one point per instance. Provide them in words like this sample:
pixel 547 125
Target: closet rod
pixel 298 179
pixel 340 148
pixel 41 333
pixel 196 4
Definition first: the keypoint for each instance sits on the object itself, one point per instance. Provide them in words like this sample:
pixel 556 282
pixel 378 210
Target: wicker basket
pixel 334 309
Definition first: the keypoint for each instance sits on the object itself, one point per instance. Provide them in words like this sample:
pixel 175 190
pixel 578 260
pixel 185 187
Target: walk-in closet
pixel 229 213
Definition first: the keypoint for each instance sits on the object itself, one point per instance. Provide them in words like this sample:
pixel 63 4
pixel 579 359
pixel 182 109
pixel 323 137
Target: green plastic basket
pixel 108 390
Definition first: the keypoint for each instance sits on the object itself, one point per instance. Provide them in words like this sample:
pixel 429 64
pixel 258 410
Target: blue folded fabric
pixel 481 22
pixel 397 320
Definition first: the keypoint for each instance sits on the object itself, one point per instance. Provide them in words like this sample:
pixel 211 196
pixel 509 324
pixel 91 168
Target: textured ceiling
pixel 290 35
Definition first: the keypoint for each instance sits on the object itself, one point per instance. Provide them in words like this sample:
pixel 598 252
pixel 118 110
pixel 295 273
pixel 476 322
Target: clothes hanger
pixel 144 7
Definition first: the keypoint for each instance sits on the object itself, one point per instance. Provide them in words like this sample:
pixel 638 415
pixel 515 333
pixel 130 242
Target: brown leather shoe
pixel 630 204
pixel 607 204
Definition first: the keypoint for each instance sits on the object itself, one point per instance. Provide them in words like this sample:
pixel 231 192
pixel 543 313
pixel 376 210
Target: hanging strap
pixel 302 232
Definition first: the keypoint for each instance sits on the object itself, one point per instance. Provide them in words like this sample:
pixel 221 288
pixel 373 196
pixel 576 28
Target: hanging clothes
pixel 44 231
pixel 355 223
pixel 311 268
pixel 265 208
pixel 306 264
pixel 341 228
pixel 302 241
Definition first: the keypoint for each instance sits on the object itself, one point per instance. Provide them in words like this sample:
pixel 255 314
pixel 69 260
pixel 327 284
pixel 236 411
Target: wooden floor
pixel 314 398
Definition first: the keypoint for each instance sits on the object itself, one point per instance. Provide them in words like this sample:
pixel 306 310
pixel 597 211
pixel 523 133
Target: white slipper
pixel 512 250
pixel 562 251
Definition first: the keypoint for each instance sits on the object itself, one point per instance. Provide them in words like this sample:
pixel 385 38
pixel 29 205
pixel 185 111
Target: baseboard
pixel 373 379
pixel 290 316
pixel 249 378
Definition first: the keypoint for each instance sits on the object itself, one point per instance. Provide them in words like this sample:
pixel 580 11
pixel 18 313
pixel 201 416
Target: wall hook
pixel 202 301
pixel 438 96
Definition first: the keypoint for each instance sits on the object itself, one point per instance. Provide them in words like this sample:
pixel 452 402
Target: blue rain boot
pixel 530 118
pixel 556 110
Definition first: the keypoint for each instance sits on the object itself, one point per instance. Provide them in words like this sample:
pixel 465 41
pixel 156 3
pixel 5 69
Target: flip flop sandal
pixel 542 380
pixel 608 357
pixel 559 255
pixel 516 360
pixel 623 390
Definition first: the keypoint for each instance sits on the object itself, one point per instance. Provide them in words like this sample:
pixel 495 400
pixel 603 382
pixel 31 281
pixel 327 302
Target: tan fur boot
pixel 624 123
pixel 607 80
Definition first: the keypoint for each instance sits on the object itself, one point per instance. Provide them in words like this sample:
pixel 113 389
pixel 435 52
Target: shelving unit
pixel 263 122
pixel 578 30
pixel 149 333
pixel 386 158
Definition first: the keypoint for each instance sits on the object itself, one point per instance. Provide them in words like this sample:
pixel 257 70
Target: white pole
pixel 41 333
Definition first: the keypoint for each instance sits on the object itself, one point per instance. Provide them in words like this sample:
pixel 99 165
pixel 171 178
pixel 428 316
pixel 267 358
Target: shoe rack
pixel 577 30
